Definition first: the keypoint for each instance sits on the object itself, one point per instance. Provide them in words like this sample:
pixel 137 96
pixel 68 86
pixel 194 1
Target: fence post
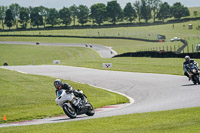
pixel 178 47
pixel 192 48
pixel 174 48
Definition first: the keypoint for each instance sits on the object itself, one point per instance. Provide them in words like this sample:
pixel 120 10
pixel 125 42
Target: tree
pixel 137 6
pixel 195 13
pixel 24 17
pixel 9 18
pixel 52 17
pixel 15 9
pixel 179 11
pixel 65 15
pixel 36 17
pixel 3 14
pixel 83 14
pixel 164 11
pixel 114 11
pixel 30 10
pixel 129 12
pixel 44 12
pixel 98 13
pixel 74 11
pixel 154 5
pixel 145 10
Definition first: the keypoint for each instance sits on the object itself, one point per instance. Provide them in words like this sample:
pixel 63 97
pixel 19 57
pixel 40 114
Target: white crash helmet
pixel 187 58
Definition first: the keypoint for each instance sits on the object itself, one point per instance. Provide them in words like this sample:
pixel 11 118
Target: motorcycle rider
pixel 186 63
pixel 59 85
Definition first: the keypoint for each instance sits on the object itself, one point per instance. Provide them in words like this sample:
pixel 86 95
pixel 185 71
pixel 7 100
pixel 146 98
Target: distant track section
pixel 103 51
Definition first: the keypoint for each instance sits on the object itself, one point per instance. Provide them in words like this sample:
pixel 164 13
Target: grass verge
pixel 173 121
pixel 27 97
pixel 27 54
pixel 84 57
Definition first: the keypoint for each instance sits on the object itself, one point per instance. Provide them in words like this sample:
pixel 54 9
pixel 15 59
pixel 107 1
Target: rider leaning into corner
pixel 188 61
pixel 59 85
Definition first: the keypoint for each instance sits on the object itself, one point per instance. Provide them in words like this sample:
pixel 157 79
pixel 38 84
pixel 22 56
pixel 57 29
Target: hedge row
pixel 156 54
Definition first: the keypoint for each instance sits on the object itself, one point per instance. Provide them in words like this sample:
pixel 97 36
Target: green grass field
pixel 147 32
pixel 173 121
pixel 84 57
pixel 192 9
pixel 43 55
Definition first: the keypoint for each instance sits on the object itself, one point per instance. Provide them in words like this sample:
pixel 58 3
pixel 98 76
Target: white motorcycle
pixel 72 105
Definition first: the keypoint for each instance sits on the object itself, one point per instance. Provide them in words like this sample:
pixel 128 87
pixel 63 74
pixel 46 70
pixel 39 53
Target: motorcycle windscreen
pixel 192 66
pixel 59 92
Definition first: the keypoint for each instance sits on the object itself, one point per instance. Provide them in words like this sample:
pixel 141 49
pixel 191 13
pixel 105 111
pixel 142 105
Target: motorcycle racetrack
pixel 151 92
pixel 147 92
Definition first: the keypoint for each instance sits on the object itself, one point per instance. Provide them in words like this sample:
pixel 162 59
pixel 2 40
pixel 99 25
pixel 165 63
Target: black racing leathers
pixel 70 89
pixel 185 68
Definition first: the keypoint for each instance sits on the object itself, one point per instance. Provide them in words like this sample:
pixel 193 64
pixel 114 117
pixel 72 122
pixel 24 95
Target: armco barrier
pixel 95 37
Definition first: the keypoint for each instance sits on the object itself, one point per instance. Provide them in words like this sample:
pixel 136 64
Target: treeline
pixel 20 17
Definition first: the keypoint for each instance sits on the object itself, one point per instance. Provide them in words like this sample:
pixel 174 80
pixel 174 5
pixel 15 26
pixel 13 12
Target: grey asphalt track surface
pixel 151 92
pixel 103 51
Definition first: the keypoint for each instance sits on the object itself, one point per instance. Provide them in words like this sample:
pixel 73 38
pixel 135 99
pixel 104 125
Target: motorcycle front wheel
pixel 69 111
pixel 196 79
pixel 90 111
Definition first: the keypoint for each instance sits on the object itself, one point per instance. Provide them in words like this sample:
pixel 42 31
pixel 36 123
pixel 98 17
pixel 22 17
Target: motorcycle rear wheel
pixel 91 111
pixel 71 112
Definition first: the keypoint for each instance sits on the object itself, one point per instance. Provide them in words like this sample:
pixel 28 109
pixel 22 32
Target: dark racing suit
pixel 70 89
pixel 186 73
